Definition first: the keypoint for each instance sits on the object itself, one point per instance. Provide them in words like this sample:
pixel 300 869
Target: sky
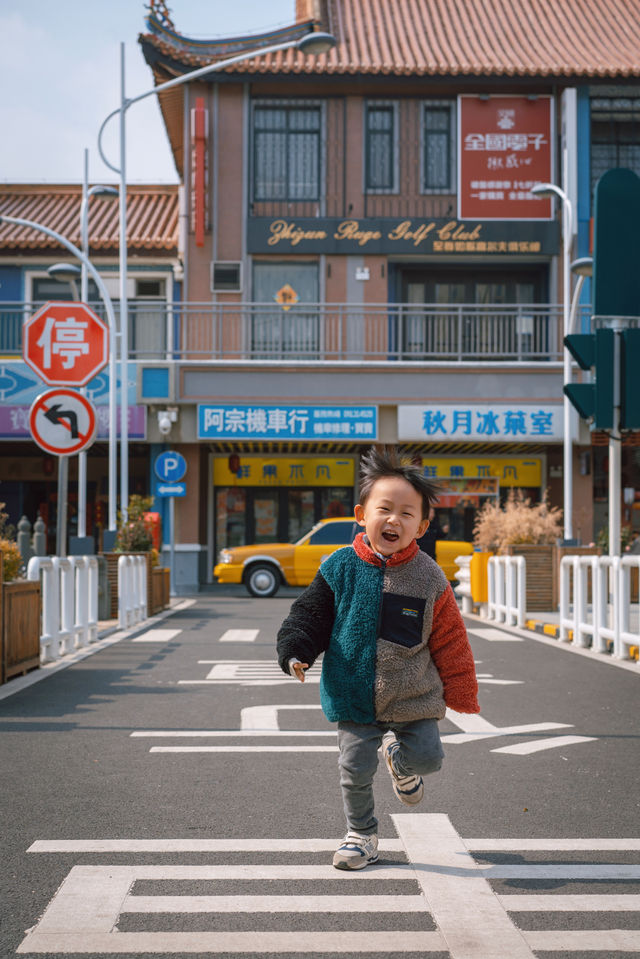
pixel 60 78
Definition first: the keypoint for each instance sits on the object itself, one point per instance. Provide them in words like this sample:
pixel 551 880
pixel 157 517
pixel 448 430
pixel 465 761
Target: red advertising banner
pixel 505 148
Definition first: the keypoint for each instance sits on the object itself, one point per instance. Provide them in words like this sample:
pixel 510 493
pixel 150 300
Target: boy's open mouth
pixel 390 536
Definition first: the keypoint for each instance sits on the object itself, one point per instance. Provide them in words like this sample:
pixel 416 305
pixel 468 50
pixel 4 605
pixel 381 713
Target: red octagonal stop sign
pixel 66 344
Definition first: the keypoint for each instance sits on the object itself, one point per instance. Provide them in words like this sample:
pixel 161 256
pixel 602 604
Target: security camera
pixel 164 423
pixel 166 418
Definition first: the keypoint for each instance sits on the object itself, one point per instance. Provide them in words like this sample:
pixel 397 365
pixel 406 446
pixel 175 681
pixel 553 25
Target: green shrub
pixel 134 534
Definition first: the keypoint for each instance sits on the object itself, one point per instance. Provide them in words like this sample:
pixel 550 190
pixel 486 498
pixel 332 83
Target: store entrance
pixel 245 515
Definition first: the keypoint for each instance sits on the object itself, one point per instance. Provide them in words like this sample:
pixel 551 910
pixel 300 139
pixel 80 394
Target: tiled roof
pixel 543 38
pixel 152 218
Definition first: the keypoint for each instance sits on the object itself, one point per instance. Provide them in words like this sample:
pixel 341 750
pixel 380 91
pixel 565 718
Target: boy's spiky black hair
pixel 379 463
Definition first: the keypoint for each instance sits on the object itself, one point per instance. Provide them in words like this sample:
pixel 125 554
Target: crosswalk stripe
pixel 243 749
pixel 227 733
pixel 251 904
pixel 552 845
pixel 606 941
pixel 157 636
pixel 286 844
pixel 239 636
pixel 590 902
pixel 279 943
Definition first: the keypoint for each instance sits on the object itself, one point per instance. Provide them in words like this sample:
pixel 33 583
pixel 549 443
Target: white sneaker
pixel 408 789
pixel 356 851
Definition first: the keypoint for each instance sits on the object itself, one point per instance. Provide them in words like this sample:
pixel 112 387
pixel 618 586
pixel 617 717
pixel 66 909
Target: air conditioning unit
pixel 226 277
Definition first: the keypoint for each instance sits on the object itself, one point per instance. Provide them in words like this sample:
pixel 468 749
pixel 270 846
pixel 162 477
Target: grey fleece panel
pixel 408 685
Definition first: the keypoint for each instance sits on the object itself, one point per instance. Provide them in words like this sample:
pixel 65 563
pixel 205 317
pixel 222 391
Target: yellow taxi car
pixel 264 567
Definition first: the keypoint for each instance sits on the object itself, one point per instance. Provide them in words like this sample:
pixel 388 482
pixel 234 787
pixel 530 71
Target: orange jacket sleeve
pixel 451 653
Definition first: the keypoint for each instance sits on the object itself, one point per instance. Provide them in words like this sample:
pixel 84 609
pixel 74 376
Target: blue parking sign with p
pixel 170 467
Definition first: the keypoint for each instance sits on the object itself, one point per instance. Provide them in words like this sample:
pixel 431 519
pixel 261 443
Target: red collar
pixel 365 552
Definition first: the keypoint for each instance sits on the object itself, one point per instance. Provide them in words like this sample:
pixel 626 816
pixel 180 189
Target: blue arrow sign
pixel 171 489
pixel 170 466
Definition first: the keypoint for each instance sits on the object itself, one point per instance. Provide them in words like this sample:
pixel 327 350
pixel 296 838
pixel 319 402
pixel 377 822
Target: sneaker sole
pixel 357 864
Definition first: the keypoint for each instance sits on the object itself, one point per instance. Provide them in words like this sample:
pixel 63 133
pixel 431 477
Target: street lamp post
pixel 105 193
pixel 547 190
pixel 314 43
pixel 111 320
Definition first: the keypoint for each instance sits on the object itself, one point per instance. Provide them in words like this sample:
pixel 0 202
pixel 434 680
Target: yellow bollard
pixel 479 577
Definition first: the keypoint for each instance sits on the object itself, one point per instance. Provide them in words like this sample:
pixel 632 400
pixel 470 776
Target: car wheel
pixel 262 580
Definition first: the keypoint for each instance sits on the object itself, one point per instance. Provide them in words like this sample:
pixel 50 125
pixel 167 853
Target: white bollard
pixel 41 568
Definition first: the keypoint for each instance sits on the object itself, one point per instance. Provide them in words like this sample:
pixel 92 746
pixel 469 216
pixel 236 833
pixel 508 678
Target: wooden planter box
pixel 159 589
pixel 543 571
pixel 112 579
pixel 21 609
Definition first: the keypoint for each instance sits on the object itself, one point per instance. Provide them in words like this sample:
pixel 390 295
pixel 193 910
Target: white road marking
pixel 472 922
pixel 477 727
pixel 226 733
pixel 310 904
pixel 577 903
pixel 195 845
pixel 245 672
pixel 494 635
pixel 553 845
pixel 585 940
pixel 266 717
pixel 239 636
pixel 524 749
pixel 243 749
pixel 157 636
pixel 487 679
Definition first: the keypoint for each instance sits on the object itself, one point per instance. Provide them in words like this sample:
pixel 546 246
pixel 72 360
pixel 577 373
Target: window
pixel 335 533
pixel 615 135
pixel 380 138
pixel 276 331
pixel 438 147
pixel 286 151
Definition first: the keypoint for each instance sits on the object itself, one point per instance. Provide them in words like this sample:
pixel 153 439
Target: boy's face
pixel 392 515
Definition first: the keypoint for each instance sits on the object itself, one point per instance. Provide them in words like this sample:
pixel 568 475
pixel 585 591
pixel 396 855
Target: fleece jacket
pixel 394 643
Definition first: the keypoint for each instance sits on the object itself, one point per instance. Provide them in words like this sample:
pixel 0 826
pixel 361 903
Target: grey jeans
pixel 420 753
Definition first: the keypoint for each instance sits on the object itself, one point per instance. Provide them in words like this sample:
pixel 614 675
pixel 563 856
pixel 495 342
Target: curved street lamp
pixel 313 43
pixel 548 190
pixel 108 305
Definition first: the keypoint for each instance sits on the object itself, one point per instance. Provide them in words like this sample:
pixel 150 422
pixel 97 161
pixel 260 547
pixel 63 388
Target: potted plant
pixel 520 527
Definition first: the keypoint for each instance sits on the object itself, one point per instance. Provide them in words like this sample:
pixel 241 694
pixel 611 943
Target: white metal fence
pixel 69 602
pixel 507 590
pixel 595 602
pixel 132 590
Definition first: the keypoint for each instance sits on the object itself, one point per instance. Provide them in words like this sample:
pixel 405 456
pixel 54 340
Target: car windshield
pixel 337 534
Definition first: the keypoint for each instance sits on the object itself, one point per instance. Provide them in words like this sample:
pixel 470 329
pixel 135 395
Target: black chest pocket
pixel 402 619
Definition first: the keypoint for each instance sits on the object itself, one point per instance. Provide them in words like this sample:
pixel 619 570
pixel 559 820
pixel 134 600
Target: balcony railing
pixel 327 332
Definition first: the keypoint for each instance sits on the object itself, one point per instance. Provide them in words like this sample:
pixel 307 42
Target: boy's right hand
pixel 300 669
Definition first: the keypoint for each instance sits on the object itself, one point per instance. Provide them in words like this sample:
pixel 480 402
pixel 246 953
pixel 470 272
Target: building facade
pixel 362 260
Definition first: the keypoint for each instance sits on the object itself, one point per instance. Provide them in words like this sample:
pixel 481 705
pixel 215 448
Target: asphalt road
pixel 176 794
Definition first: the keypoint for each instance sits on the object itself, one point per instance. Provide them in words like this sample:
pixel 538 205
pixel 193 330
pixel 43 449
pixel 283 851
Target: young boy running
pixel 396 651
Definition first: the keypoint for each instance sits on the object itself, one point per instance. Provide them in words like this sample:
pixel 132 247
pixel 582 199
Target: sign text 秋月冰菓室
pixel 448 422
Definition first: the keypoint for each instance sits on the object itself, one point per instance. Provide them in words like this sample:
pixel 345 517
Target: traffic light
pixel 593 399
pixel 630 379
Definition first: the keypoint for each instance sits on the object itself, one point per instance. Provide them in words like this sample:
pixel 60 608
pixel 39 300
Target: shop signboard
pixel 505 148
pixel 269 471
pixel 495 423
pixel 389 236
pixel 256 422
pixel 483 474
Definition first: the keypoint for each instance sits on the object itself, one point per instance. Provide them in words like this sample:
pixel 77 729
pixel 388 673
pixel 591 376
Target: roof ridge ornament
pixel 160 10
